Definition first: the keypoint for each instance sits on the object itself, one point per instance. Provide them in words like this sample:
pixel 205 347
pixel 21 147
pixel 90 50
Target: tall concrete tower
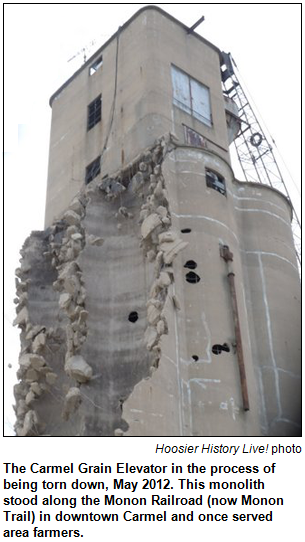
pixel 163 296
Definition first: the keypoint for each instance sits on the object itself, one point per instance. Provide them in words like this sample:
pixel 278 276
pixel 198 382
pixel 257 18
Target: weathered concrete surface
pixel 90 289
pixel 201 388
pixel 115 340
pixel 123 301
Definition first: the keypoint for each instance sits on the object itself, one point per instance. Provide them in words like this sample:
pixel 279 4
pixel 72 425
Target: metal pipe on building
pixel 228 257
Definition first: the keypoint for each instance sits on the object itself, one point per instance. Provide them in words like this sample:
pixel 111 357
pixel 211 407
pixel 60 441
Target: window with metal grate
pixel 94 112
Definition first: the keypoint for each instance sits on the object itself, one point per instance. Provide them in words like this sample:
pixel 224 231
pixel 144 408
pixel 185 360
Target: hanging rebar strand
pixel 228 258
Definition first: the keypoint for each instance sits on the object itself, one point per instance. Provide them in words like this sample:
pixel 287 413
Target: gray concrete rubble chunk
pixel 76 206
pixel 30 396
pixel 72 284
pixel 164 279
pixel 153 314
pixel 76 236
pixel 150 224
pixel 39 342
pixel 78 368
pixel 51 378
pixel 22 317
pixel 167 237
pixel 31 375
pixel 35 387
pixel 72 218
pixel 150 337
pixel 29 424
pixel 64 300
pixel 36 361
pixel 72 402
pixel 172 249
pixel 68 269
pixel 162 211
pixel 94 241
pixel 161 328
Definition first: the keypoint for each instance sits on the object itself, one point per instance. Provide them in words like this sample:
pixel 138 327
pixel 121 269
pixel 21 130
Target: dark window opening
pixel 94 112
pixel 186 230
pixel 195 358
pixel 215 181
pixel 192 277
pixel 96 65
pixel 133 317
pixel 93 170
pixel 190 264
pixel 218 348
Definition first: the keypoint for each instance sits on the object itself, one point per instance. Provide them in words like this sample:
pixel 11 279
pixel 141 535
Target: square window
pixel 215 181
pixel 94 112
pixel 96 65
pixel 191 96
pixel 93 170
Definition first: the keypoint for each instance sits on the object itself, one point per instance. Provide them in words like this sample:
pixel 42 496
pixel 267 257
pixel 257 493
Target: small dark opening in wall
pixel 190 264
pixel 133 317
pixel 195 358
pixel 192 277
pixel 218 348
pixel 186 230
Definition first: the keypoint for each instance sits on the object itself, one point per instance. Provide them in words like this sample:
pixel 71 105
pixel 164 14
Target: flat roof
pixel 136 14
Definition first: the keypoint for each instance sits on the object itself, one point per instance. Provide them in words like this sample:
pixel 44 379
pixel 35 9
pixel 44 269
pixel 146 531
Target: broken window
pixel 94 112
pixel 215 181
pixel 96 65
pixel 93 169
pixel 194 138
pixel 191 96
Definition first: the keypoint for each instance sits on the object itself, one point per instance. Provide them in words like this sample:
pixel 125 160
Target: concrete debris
pixel 72 218
pixel 94 241
pixel 153 314
pixel 64 300
pixel 72 401
pixel 78 368
pixel 161 327
pixel 50 354
pixel 112 188
pixel 39 342
pixel 76 206
pixel 30 423
pixel 30 396
pixel 150 337
pixel 150 224
pixel 51 378
pixel 31 375
pixel 36 388
pixel 22 317
pixel 172 249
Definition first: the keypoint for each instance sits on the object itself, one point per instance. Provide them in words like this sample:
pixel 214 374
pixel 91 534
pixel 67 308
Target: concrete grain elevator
pixel 163 296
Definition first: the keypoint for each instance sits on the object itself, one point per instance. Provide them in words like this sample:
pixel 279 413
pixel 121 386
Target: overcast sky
pixel 264 40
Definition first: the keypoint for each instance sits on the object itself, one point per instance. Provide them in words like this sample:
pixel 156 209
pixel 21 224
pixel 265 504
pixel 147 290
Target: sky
pixel 40 40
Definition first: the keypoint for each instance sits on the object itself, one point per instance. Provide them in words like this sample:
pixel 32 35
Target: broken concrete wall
pixel 91 295
pixel 125 312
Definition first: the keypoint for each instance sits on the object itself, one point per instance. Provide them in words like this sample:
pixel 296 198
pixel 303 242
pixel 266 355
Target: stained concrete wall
pixel 118 247
pixel 204 389
pixel 145 48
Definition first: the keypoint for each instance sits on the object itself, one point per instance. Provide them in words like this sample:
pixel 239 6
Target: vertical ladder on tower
pixel 254 152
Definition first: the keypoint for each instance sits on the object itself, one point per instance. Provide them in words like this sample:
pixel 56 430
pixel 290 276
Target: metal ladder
pixel 254 152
